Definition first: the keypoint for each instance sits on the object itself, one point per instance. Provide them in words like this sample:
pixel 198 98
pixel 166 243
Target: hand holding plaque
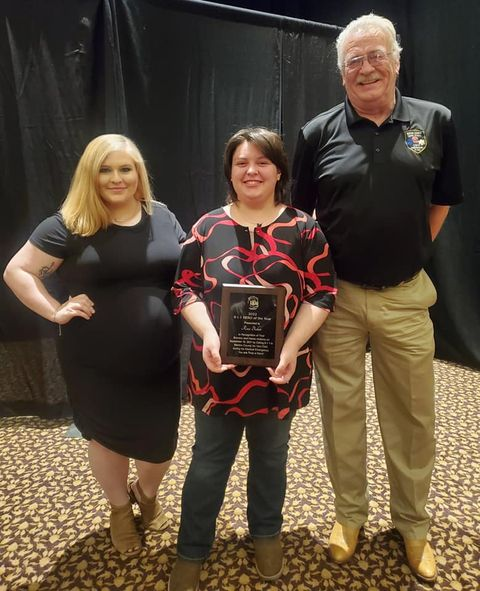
pixel 251 324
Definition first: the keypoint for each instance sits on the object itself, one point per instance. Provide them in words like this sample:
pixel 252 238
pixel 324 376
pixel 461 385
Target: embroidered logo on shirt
pixel 415 140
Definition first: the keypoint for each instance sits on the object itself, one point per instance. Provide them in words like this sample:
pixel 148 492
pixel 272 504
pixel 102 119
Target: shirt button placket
pixel 377 150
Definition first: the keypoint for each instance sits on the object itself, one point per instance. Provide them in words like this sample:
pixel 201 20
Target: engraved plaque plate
pixel 251 324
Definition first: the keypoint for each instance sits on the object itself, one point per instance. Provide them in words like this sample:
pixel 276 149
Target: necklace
pixel 131 218
pixel 262 219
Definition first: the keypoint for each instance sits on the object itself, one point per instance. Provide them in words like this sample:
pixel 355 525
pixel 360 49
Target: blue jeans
pixel 217 440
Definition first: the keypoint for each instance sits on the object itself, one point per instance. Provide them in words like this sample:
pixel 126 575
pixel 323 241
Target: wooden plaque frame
pixel 251 324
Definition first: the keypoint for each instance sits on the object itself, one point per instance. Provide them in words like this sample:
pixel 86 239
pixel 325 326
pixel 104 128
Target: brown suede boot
pixel 152 514
pixel 269 559
pixel 123 530
pixel 185 575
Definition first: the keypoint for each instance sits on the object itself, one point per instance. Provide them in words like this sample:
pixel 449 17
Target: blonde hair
pixel 368 23
pixel 83 210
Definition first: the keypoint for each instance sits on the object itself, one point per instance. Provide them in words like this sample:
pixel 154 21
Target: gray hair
pixel 368 23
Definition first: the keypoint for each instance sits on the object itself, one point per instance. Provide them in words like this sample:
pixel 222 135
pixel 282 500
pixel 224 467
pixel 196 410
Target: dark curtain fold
pixel 193 80
pixel 310 80
pixel 440 42
pixel 452 77
pixel 46 101
pixel 178 77
pixel 45 95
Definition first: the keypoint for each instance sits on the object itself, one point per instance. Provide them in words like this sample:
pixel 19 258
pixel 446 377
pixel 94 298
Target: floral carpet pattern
pixel 54 520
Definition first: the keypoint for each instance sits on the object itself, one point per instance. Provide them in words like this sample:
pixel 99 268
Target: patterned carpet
pixel 54 521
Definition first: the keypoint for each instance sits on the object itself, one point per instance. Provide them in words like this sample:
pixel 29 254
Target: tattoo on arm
pixel 45 271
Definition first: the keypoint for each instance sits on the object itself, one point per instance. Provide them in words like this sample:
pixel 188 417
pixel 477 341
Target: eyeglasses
pixel 375 58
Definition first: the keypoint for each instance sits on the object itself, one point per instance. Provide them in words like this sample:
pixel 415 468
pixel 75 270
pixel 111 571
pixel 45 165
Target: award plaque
pixel 251 324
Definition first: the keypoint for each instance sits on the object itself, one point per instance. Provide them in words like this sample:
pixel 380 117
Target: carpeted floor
pixel 54 520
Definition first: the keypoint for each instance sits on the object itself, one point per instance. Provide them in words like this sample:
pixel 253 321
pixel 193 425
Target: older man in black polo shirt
pixel 381 171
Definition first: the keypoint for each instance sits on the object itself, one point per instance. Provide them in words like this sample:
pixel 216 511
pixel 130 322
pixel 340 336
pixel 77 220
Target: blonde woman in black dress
pixel 115 250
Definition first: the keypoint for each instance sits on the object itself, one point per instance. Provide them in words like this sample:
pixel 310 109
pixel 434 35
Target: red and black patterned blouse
pixel 292 252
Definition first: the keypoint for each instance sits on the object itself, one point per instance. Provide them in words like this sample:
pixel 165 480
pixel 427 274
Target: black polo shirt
pixel 372 186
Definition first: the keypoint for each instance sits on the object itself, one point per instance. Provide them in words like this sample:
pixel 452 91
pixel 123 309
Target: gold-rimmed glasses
pixel 374 58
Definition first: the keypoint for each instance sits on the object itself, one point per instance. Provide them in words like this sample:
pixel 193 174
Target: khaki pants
pixel 397 324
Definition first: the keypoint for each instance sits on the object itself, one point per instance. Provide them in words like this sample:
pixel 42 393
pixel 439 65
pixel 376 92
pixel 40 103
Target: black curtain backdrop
pixel 446 45
pixel 179 77
pixel 440 46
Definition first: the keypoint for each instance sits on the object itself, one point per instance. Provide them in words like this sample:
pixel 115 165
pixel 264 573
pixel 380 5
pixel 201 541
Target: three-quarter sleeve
pixel 320 282
pixel 188 285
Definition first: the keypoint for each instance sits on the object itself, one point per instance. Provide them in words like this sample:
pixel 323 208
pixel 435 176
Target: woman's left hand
pixel 285 368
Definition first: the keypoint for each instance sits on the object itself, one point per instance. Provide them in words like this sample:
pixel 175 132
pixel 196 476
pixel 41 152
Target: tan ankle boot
pixel 342 542
pixel 152 514
pixel 123 530
pixel 421 559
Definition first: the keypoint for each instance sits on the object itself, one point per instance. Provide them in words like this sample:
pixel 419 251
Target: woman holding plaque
pixel 254 240
pixel 115 251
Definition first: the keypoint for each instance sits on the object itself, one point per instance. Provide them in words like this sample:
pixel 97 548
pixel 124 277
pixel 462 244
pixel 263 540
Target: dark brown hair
pixel 270 145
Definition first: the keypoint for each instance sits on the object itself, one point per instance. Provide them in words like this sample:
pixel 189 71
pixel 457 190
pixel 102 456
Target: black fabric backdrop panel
pixel 47 99
pixel 198 80
pixel 45 88
pixel 440 44
pixel 311 83
pixel 192 78
pixel 178 77
pixel 452 77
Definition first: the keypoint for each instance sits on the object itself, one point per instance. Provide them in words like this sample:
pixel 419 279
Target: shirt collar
pixel 400 111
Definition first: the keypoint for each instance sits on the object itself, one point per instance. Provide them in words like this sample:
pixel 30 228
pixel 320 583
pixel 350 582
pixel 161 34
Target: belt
pixel 376 287
pixel 382 287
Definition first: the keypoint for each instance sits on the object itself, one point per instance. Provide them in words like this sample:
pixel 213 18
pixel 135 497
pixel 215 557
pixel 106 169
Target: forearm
pixel 31 291
pixel 197 317
pixel 437 216
pixel 308 320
